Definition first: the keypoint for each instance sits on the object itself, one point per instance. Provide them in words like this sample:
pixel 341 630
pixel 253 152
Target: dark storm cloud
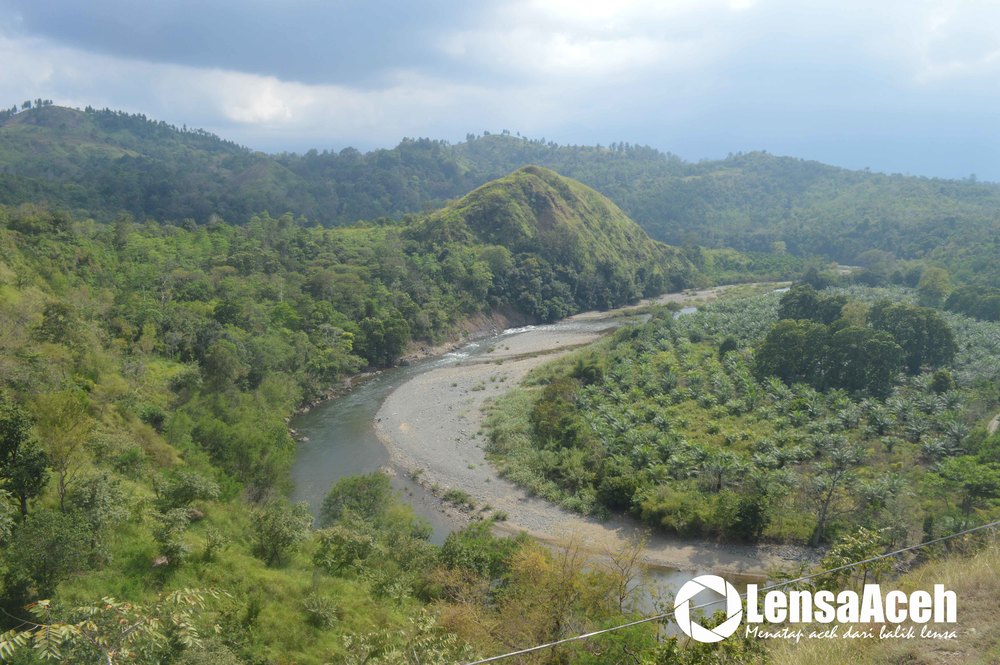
pixel 311 41
pixel 897 85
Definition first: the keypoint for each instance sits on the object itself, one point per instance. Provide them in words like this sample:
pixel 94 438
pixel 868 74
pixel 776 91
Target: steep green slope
pixel 587 252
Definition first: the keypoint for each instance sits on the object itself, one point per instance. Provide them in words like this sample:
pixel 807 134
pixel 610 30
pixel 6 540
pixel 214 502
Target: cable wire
pixel 777 585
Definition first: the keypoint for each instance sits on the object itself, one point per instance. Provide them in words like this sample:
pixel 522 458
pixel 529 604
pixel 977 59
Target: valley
pixel 170 302
pixel 433 425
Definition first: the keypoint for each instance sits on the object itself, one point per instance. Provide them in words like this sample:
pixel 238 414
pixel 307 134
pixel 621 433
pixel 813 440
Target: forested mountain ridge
pixel 148 365
pixel 103 162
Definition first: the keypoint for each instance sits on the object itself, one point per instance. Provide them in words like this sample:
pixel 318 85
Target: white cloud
pixel 263 103
pixel 935 43
pixel 234 104
pixel 561 57
pixel 263 111
pixel 22 70
pixel 594 42
pixel 960 40
pixel 624 15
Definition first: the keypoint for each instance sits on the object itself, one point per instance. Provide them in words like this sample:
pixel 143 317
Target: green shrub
pixel 320 611
pixel 459 498
pixel 367 497
pixel 181 487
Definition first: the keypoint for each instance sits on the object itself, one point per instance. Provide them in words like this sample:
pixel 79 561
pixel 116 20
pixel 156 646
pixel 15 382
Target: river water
pixel 341 441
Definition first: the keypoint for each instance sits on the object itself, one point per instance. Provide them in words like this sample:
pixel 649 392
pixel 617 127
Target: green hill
pixel 575 248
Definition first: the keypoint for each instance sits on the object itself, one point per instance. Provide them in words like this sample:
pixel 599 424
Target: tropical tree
pixel 23 464
pixel 863 360
pixel 853 547
pixel 828 488
pixel 793 351
pixel 977 483
pixel 344 546
pixel 101 503
pixel 922 333
pixel 719 466
pixel 367 497
pixel 934 286
pixel 63 425
pixel 803 301
pixel 46 547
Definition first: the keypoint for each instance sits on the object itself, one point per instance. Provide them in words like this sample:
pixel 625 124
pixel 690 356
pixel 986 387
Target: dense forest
pixel 283 309
pixel 103 162
pixel 791 418
pixel 148 370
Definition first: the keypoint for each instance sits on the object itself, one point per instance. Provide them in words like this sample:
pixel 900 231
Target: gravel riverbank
pixel 432 424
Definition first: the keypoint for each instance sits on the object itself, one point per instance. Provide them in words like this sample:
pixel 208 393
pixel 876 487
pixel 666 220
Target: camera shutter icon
pixel 682 608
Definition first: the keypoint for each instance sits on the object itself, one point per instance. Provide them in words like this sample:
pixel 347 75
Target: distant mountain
pixel 105 162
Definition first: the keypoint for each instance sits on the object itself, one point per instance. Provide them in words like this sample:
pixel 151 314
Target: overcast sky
pixel 905 86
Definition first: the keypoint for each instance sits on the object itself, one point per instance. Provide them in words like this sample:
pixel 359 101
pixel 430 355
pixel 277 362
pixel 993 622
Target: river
pixel 341 439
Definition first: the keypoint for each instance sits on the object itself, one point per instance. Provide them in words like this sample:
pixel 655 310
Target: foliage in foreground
pixel 112 631
pixel 357 590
